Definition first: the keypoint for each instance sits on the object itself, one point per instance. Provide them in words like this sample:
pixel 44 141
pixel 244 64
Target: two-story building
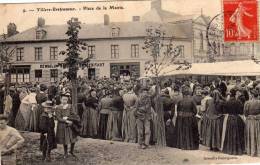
pixel 115 48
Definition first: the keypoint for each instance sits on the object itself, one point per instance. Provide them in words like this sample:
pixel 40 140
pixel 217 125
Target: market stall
pixel 228 69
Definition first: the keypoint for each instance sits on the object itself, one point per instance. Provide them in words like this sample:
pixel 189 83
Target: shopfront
pixel 126 69
pixel 45 73
pixel 20 74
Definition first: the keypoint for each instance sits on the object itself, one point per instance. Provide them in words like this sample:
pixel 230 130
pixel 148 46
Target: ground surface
pixel 101 152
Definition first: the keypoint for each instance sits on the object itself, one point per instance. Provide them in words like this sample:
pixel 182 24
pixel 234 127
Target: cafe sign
pixel 48 66
pixel 96 65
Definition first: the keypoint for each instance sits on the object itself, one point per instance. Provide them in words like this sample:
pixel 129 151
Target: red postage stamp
pixel 240 20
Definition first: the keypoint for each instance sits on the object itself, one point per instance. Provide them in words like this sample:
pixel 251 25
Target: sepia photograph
pixel 130 82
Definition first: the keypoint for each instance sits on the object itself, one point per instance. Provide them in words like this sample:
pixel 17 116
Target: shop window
pixel 53 53
pixel 38 54
pixel 54 75
pixel 134 50
pixel 20 75
pixel 114 51
pixel 19 54
pixel 38 75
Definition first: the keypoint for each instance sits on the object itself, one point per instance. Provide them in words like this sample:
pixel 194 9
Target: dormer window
pixel 115 31
pixel 40 34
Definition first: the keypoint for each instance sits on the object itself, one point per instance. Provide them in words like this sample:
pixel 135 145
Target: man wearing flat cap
pixel 10 140
pixel 143 116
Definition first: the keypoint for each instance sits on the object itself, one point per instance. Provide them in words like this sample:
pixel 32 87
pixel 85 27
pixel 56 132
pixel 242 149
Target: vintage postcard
pixel 130 82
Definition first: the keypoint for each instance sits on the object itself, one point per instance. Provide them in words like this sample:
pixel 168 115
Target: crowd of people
pixel 223 116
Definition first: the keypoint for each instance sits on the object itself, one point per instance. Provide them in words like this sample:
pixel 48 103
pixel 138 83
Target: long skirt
pixel 64 134
pixel 201 127
pixel 34 119
pixel 102 128
pixel 89 123
pixel 13 114
pixel 187 135
pixel 129 129
pixel 170 135
pixel 153 127
pixel 211 133
pixel 114 126
pixel 252 137
pixel 80 110
pixel 22 117
pixel 233 143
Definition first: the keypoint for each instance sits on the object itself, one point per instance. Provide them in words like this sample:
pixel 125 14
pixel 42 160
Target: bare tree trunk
pixel 74 97
pixel 160 132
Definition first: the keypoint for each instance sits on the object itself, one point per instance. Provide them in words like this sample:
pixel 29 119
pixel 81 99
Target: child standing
pixel 65 134
pixel 47 125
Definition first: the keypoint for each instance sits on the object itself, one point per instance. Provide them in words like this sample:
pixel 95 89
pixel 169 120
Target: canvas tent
pixel 228 68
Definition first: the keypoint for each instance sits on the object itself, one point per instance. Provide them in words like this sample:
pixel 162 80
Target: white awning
pixel 229 68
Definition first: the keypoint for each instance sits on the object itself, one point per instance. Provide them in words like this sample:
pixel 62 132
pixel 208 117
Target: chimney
pixel 11 29
pixel 40 22
pixel 156 4
pixel 136 18
pixel 74 19
pixel 106 19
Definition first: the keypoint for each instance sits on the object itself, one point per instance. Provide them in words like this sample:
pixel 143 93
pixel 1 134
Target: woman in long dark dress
pixel 252 126
pixel 213 121
pixel 16 104
pixel 90 116
pixel 187 136
pixel 233 127
pixel 114 124
pixel 168 108
pixel 105 104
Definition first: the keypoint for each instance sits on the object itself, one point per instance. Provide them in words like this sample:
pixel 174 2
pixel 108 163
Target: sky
pixel 24 20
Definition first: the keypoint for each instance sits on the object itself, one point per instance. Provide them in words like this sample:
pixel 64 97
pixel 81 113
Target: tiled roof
pixel 98 31
pixel 188 17
pixel 158 15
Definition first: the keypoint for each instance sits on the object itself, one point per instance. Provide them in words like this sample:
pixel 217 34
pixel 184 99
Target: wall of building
pixel 101 62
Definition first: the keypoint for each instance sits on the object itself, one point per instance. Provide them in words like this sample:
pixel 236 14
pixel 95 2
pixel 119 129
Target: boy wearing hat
pixel 47 125
pixel 10 140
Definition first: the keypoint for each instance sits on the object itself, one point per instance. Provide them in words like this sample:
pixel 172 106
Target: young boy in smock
pixel 10 140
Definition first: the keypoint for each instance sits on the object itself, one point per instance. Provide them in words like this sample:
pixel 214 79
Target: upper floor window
pixel 38 54
pixel 114 51
pixel 40 33
pixel 53 53
pixel 134 50
pixel 115 31
pixel 91 51
pixel 19 54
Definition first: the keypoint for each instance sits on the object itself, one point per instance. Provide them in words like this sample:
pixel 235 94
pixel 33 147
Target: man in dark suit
pixel 2 96
pixel 221 86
